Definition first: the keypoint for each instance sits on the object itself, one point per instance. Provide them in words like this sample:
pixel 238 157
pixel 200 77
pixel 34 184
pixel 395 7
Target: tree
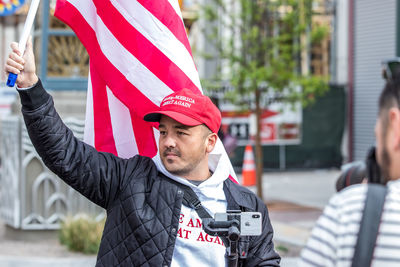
pixel 265 46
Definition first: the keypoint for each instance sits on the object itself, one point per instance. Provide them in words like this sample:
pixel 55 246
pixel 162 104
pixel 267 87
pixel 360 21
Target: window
pixel 62 60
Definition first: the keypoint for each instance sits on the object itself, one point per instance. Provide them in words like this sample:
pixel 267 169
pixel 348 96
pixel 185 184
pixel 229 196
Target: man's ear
pixel 211 141
pixel 394 124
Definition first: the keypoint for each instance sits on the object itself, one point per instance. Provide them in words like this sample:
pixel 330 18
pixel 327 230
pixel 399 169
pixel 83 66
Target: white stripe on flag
pixel 220 149
pixel 159 35
pixel 124 137
pixel 88 135
pixel 175 5
pixel 135 72
pixel 156 136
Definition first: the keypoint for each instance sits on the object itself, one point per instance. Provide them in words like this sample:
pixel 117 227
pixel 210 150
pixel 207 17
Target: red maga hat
pixel 189 109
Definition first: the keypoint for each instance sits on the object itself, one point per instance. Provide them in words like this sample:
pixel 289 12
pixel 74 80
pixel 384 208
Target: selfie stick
pixel 12 77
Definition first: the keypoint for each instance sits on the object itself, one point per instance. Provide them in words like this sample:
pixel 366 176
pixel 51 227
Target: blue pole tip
pixel 12 78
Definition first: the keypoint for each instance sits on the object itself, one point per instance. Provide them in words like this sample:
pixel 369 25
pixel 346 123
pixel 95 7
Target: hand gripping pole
pixel 12 77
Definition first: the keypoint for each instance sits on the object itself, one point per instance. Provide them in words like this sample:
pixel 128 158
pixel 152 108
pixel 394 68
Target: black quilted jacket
pixel 142 205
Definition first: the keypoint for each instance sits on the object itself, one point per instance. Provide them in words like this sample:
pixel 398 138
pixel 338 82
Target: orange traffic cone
pixel 249 168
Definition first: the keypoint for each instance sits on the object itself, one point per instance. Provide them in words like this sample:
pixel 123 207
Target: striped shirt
pixel 334 236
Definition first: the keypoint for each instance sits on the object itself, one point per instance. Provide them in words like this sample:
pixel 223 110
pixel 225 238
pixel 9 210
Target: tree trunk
pixel 303 42
pixel 258 148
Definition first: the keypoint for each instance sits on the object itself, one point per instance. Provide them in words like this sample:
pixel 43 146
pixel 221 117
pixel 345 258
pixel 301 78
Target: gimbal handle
pixel 229 229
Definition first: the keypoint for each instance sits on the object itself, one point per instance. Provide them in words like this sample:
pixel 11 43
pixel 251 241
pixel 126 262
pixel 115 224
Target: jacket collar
pixel 238 197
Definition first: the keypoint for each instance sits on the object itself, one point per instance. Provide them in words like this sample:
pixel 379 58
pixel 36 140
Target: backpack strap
pixel 369 226
pixel 191 200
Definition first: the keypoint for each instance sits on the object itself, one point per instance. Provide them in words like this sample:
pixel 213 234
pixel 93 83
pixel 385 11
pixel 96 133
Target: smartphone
pixel 250 222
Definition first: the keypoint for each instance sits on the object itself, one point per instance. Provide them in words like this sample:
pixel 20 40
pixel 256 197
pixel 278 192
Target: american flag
pixel 139 53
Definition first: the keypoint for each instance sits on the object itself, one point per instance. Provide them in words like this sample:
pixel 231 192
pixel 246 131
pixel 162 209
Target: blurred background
pixel 297 84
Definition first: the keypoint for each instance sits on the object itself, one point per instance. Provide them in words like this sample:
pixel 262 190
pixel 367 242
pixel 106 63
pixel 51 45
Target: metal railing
pixel 31 196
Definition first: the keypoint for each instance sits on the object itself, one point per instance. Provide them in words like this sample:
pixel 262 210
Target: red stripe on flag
pixel 144 50
pixel 103 138
pixel 144 136
pixel 166 14
pixel 126 92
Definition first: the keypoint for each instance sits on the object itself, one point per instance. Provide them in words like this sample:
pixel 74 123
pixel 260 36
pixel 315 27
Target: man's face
pixel 183 149
pixel 382 151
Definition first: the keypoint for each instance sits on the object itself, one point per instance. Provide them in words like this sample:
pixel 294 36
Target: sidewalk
pixel 292 223
pixel 295 201
pixel 37 249
pixel 9 261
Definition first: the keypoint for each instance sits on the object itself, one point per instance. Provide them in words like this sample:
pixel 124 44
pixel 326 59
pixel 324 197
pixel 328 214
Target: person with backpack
pixel 360 225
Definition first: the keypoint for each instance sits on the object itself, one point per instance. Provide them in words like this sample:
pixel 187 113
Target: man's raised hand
pixel 24 65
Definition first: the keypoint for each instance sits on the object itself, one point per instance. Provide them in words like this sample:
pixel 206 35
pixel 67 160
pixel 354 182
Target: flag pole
pixel 12 77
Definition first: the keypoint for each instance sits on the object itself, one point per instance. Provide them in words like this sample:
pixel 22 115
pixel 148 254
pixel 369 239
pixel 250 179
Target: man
pixel 147 225
pixel 333 239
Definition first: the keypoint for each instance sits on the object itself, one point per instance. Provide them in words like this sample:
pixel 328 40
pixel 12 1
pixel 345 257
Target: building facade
pixel 366 32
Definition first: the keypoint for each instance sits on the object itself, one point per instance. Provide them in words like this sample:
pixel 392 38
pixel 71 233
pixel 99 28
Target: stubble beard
pixel 385 166
pixel 183 171
pixel 385 157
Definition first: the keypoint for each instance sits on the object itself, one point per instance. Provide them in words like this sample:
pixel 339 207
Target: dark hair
pixel 390 95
